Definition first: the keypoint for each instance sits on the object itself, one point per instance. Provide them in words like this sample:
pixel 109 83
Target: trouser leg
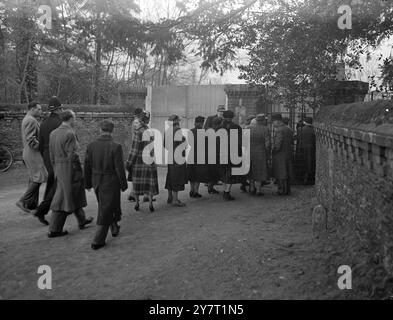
pixel 57 221
pixel 101 234
pixel 280 184
pixel 115 228
pixel 80 216
pixel 30 198
pixel 50 191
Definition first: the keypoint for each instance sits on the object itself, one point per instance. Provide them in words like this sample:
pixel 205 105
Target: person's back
pixel 287 141
pixel 307 137
pixel 61 143
pixel 102 153
pixel 257 137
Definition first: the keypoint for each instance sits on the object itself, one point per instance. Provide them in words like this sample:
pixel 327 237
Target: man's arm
pixel 119 167
pixel 88 169
pixel 31 133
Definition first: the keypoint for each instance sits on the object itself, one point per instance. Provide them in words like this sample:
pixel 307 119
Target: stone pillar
pixel 133 97
pixel 244 100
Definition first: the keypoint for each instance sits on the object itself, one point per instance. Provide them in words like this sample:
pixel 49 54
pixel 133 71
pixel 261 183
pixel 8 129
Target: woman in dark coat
pixel 197 173
pixel 144 176
pixel 213 170
pixel 259 146
pixel 176 177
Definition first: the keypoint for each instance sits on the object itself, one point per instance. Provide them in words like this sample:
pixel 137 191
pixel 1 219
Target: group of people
pixel 51 154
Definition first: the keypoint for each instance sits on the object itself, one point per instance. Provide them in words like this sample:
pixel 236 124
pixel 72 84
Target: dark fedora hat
pixel 54 104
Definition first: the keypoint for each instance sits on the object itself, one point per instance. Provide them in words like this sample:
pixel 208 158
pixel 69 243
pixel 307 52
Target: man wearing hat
pixel 282 154
pixel 219 115
pixel 214 122
pixel 226 169
pixel 48 125
pixel 307 149
pixel 104 172
pixel 197 173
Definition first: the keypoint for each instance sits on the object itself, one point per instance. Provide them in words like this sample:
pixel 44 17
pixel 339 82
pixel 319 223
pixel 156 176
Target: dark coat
pixel 259 148
pixel 307 148
pixel 144 176
pixel 197 172
pixel 104 171
pixel 48 125
pixel 70 187
pixel 209 122
pixel 282 153
pixel 177 173
pixel 226 169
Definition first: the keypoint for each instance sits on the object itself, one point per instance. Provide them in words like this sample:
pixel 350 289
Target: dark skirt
pixel 176 177
pixel 213 173
pixel 198 173
pixel 228 178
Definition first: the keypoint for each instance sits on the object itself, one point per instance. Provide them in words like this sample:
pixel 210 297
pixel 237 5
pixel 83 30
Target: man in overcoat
pixel 105 173
pixel 70 196
pixel 48 125
pixel 214 122
pixel 282 155
pixel 307 148
pixel 32 158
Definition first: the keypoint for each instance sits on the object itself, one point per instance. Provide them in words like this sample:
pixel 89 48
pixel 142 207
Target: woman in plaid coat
pixel 144 176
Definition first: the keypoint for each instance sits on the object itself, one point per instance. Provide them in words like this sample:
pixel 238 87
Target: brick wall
pixel 354 179
pixel 87 129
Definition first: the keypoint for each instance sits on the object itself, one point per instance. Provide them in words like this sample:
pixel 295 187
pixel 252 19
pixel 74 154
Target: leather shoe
pixel 96 246
pixel 88 221
pixel 57 234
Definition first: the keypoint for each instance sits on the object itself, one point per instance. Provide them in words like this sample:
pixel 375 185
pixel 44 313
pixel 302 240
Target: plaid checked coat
pixel 144 176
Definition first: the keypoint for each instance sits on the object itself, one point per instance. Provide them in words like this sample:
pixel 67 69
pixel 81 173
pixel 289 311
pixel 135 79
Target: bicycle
pixel 6 158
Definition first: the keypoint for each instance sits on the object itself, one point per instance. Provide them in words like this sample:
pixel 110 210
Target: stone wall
pixel 87 129
pixel 354 179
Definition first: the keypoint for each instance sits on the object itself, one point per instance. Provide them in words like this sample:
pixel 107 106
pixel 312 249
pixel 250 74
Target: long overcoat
pixel 282 153
pixel 144 175
pixel 197 172
pixel 70 187
pixel 104 171
pixel 47 126
pixel 259 146
pixel 31 155
pixel 307 148
pixel 176 176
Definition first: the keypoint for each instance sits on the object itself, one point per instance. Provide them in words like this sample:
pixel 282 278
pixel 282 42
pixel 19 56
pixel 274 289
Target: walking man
pixel 282 155
pixel 104 172
pixel 32 158
pixel 70 196
pixel 48 125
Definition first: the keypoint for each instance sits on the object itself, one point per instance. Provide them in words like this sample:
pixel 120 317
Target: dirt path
pixel 252 248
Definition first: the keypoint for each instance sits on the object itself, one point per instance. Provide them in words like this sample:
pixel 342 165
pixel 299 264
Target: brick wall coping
pixel 335 132
pixel 9 115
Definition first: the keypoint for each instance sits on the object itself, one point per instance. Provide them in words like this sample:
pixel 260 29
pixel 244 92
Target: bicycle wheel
pixel 6 159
